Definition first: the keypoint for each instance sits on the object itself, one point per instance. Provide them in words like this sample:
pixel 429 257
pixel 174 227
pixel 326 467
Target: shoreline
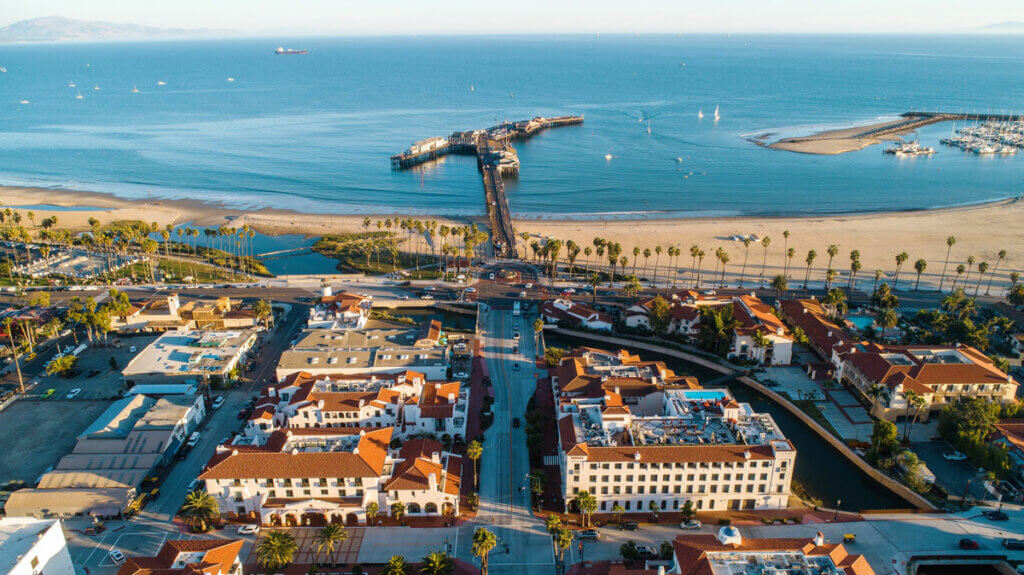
pixel 982 229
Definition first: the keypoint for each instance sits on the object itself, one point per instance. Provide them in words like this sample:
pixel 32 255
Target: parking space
pixel 378 545
pixel 345 552
pixel 952 476
pixel 793 381
pixel 96 378
pixel 40 432
pixel 845 425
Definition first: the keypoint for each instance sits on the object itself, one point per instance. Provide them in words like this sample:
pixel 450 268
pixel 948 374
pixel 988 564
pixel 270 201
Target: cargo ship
pixel 281 50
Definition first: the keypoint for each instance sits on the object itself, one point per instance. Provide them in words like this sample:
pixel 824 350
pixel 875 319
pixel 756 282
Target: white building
pixel 330 475
pixel 33 547
pixel 757 320
pixel 190 356
pixel 575 313
pixel 340 311
pixel 632 434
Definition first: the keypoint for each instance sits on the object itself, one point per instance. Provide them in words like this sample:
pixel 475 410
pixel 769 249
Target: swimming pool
pixel 702 395
pixel 861 321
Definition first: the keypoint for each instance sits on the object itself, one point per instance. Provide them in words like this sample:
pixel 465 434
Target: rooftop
pixel 18 535
pixel 195 352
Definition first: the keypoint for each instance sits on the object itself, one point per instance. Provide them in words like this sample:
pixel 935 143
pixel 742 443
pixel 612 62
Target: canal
pixel 822 471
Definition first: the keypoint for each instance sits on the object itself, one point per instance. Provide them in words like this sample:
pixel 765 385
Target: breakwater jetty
pixel 495 159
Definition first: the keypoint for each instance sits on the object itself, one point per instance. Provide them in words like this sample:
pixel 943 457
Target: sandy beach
pixel 980 230
pixel 839 141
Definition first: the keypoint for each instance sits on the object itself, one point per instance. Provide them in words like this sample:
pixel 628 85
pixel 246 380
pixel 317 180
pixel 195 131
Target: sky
pixel 403 17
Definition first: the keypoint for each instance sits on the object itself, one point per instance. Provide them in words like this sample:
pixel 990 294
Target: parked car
pixel 74 393
pixel 515 422
pixel 218 402
pixel 49 393
pixel 528 286
pixel 995 515
pixel 116 556
pixel 132 349
pixel 515 335
pixel 968 544
pixel 426 296
pixel 460 375
pixel 646 552
pixel 592 534
pixel 628 526
pixel 953 456
pixel 515 367
pixel 248 529
pixel 471 290
pixel 242 414
pixel 193 439
pixel 194 484
pixel 1017 544
pixel 690 524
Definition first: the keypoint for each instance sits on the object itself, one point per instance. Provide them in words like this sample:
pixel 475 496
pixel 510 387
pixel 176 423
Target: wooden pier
pixel 495 159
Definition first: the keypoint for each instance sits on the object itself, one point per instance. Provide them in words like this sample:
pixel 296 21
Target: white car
pixel 74 393
pixel 528 286
pixel 691 524
pixel 248 529
pixel 515 335
pixel 218 402
pixel 460 375
pixel 426 296
pixel 132 349
pixel 193 439
pixel 953 456
pixel 116 556
pixel 471 290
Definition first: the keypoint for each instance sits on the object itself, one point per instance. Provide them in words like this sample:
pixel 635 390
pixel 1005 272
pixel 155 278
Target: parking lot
pixel 40 432
pixel 95 377
pixel 949 475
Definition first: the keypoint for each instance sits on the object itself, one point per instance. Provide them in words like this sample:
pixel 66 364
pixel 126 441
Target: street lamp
pixel 836 514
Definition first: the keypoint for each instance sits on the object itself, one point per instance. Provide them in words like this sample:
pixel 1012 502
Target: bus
pixel 515 309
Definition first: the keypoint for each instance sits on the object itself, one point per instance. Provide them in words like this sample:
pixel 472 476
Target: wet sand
pixel 839 141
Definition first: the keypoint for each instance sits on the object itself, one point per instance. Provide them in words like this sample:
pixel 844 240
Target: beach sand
pixel 839 141
pixel 980 230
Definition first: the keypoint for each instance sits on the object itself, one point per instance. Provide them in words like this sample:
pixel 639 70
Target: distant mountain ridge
pixel 60 29
pixel 1008 26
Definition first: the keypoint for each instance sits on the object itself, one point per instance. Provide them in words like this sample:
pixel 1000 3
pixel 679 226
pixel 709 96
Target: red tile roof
pixel 218 556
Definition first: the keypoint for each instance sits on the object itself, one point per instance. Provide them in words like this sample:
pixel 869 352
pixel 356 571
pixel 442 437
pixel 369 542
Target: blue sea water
pixel 314 133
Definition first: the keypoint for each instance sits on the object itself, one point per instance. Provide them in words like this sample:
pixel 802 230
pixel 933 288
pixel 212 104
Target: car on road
pixel 1016 544
pixel 515 367
pixel 193 439
pixel 690 524
pixel 74 393
pixel 528 286
pixel 242 414
pixel 591 534
pixel 953 456
pixel 460 375
pixel 426 296
pixel 459 347
pixel 403 296
pixel 194 484
pixel 471 290
pixel 132 349
pixel 218 402
pixel 49 393
pixel 629 526
pixel 515 422
pixel 515 335
pixel 116 556
pixel 248 529
pixel 968 544
pixel 995 515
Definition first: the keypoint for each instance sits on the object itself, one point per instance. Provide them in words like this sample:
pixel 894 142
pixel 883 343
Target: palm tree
pixel 473 451
pixel 900 258
pixel 919 266
pixel 761 341
pixel 780 285
pixel 200 509
pixel 809 260
pixel 617 511
pixel 723 256
pixel 262 310
pixel 552 524
pixel 765 242
pixel 657 258
pixel 830 276
pixel 8 323
pixel 372 511
pixel 694 251
pixel 790 253
pixel 276 550
pixel 960 269
pixel 887 317
pixel 587 504
pixel 746 254
pixel 915 401
pixel 398 511
pixel 437 563
pixel 832 250
pixel 970 265
pixel 483 542
pixel 1002 256
pixel 647 255
pixel 982 268
pixel 329 536
pixel 594 280
pixel 587 251
pixel 700 262
pixel 395 566
pixel 563 540
pixel 950 241
pixel 636 257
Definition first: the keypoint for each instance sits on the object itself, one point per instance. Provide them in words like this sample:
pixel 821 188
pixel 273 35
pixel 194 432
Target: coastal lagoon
pixel 313 133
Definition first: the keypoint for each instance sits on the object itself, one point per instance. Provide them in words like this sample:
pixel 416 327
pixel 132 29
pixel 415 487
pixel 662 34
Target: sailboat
pixel 472 88
pixel 2 69
pixel 700 114
pixel 161 83
pixel 135 89
pixel 608 157
pixel 79 96
pixel 96 87
pixel 716 114
pixel 648 126
pixel 71 84
pixel 230 79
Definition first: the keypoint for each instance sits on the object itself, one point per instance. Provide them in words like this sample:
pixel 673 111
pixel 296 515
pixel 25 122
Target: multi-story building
pixel 341 311
pixel 163 314
pixel 405 400
pixel 574 313
pixel 684 310
pixel 316 476
pixel 189 557
pixel 33 547
pixel 368 351
pixel 632 433
pixel 191 356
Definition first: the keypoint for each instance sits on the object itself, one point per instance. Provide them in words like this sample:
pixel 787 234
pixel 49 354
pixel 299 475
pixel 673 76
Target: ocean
pixel 314 132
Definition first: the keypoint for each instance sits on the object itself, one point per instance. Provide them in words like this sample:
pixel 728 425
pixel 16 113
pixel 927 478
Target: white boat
pixel 161 83
pixel 79 96
pixel 2 69
pixel 716 113
pixel 24 102
pixel 230 79
pixel 700 114
pixel 648 126
pixel 472 89
pixel 96 87
pixel 135 89
pixel 71 84
pixel 608 157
